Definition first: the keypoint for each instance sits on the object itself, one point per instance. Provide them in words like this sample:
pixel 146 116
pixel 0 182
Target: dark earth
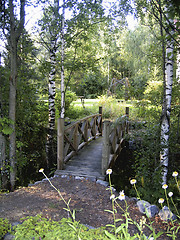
pixel 89 199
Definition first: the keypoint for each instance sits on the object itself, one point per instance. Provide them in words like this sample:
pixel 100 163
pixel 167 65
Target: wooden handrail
pixel 72 138
pixel 113 141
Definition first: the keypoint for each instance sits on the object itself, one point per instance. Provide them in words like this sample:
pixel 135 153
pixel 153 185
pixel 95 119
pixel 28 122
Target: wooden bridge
pixel 79 155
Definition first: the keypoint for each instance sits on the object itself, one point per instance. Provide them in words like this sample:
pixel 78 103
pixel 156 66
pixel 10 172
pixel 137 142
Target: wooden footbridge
pixel 77 152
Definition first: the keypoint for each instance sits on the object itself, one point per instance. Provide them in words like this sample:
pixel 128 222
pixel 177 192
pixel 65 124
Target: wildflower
pixel 121 195
pixel 170 194
pixel 175 174
pixel 112 196
pixel 109 171
pixel 41 170
pixel 165 186
pixel 133 181
pixel 161 200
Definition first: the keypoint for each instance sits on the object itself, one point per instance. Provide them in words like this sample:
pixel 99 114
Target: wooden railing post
pixel 100 124
pixel 100 110
pixel 127 112
pixel 106 147
pixel 60 143
pixel 75 137
pixel 127 121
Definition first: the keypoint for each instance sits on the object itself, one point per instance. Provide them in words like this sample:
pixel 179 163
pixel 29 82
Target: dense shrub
pixel 69 98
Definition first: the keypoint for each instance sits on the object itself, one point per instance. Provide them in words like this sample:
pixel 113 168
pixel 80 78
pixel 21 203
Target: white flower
pixel 109 171
pixel 165 186
pixel 175 174
pixel 133 181
pixel 170 194
pixel 161 200
pixel 112 196
pixel 121 195
pixel 41 170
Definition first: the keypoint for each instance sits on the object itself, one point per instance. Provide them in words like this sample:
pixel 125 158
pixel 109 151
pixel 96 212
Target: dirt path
pixel 89 199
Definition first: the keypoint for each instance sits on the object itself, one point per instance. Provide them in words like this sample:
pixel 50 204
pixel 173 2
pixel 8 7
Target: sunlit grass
pixel 114 108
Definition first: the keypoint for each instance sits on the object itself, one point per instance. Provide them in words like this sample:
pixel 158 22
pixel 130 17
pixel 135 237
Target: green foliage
pixel 153 92
pixel 78 112
pixel 31 137
pixel 5 126
pixel 146 167
pixel 40 228
pixel 144 110
pixel 69 98
pixel 111 108
pixel 5 227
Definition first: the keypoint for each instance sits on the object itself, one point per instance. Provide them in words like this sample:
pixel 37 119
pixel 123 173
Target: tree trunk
pixel 165 121
pixel 15 33
pixel 62 65
pixel 3 163
pixel 12 111
pixel 50 150
pixel 52 93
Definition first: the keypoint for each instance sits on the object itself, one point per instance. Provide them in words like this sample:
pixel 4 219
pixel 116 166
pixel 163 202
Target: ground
pixel 88 198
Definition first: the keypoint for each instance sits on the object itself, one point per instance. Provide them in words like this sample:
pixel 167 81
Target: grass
pixel 115 108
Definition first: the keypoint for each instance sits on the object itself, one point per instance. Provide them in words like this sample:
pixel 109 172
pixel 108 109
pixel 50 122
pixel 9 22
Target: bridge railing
pixel 113 139
pixel 72 138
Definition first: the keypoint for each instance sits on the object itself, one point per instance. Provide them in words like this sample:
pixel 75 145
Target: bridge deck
pixel 87 162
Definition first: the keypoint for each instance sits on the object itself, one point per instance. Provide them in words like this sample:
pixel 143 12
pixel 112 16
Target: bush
pixel 41 228
pixel 69 98
pixel 111 109
pixel 5 227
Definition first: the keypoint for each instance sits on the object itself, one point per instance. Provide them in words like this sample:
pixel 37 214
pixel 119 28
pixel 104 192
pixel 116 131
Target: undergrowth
pixel 38 228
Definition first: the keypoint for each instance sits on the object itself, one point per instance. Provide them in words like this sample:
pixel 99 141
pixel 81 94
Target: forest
pixel 53 52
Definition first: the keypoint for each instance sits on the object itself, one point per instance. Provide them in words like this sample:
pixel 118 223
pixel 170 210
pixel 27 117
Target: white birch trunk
pixel 52 91
pixel 165 123
pixel 62 65
pixel 178 67
pixel 52 94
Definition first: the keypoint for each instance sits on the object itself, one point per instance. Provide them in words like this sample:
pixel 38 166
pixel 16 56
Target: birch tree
pixel 52 37
pixel 163 12
pixel 52 88
pixel 62 64
pixel 166 107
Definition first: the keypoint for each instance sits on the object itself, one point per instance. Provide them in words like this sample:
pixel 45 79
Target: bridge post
pixel 127 121
pixel 60 143
pixel 100 124
pixel 106 147
pixel 127 112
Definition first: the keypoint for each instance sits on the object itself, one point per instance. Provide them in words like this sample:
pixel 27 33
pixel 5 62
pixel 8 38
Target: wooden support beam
pixel 60 144
pixel 106 147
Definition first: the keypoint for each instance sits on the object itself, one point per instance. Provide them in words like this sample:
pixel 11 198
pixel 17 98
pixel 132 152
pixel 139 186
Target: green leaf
pixel 7 130
pixel 109 211
pixel 111 236
pixel 118 220
pixel 119 228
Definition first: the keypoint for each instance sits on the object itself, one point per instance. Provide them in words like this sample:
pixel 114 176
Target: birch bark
pixel 50 151
pixel 62 65
pixel 166 110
